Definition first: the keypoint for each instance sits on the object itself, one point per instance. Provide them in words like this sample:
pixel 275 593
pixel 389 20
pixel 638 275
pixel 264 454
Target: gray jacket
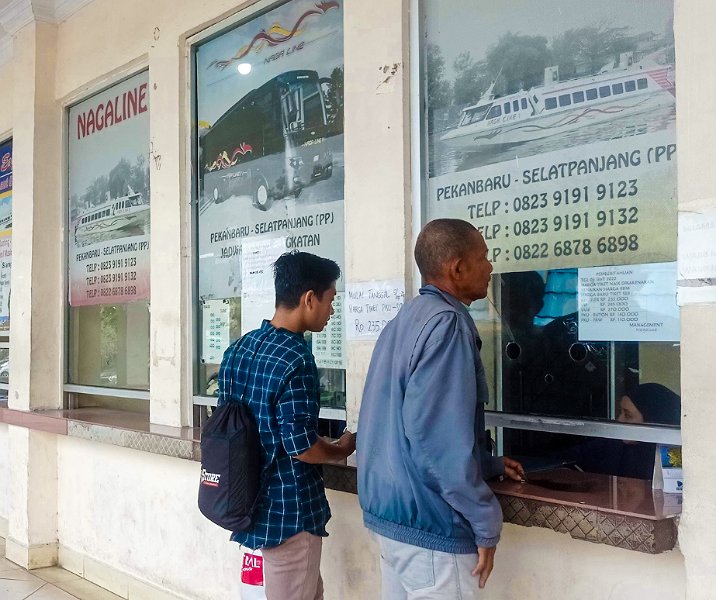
pixel 422 451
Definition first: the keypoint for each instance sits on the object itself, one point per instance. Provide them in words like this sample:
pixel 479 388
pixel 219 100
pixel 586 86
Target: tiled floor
pixel 45 584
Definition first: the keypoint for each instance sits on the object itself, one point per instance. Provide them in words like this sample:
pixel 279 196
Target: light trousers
pixel 413 573
pixel 292 570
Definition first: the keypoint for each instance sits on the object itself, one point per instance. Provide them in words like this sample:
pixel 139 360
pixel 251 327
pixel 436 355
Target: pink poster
pixel 109 223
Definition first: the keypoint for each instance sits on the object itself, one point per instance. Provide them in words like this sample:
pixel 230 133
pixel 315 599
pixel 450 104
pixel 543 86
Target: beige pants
pixel 292 569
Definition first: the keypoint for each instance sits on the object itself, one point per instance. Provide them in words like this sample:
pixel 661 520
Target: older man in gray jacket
pixel 422 448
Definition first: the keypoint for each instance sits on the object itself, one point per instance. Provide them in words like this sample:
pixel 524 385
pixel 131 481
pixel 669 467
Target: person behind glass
pixel 422 446
pixel 646 403
pixel 278 371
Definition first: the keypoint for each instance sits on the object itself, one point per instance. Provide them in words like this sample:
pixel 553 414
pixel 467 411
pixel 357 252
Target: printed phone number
pixel 582 220
pixel 612 244
pixel 573 195
pixel 119 290
pixel 111 278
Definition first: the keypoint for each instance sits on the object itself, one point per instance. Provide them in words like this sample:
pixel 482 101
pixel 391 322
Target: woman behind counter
pixel 650 403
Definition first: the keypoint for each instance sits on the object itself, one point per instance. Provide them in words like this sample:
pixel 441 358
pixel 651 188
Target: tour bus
pixel 270 144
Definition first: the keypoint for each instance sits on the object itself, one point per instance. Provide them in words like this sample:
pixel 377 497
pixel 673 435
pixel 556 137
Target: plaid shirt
pixel 275 372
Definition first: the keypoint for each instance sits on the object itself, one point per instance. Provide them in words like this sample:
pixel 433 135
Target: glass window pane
pixel 565 328
pixel 109 234
pixel 630 86
pixel 5 233
pixel 110 345
pixel 270 178
pixel 642 83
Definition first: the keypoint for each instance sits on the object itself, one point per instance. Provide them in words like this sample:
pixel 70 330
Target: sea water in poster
pixel 270 140
pixel 5 231
pixel 551 127
pixel 109 195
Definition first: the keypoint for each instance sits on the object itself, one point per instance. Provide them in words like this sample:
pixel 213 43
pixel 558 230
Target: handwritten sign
pixel 632 303
pixel 370 306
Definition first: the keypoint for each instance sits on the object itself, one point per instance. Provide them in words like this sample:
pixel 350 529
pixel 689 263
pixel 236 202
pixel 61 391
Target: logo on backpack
pixel 210 479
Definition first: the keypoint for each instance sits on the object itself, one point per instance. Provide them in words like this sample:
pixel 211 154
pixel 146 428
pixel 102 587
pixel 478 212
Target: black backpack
pixel 230 464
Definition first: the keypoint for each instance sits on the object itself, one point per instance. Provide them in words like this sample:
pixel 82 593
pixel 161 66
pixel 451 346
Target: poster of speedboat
pixel 551 126
pixel 5 232
pixel 269 139
pixel 109 195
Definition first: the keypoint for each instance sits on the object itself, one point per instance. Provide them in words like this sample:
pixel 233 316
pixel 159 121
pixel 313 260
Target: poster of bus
pixel 5 232
pixel 269 98
pixel 109 195
pixel 552 128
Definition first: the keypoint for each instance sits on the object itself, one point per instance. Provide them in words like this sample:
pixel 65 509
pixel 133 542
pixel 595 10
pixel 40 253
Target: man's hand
pixel 513 469
pixel 485 562
pixel 348 442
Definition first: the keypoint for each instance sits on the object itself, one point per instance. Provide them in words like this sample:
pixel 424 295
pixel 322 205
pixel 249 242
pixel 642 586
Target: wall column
pixel 696 131
pixel 378 204
pixel 36 313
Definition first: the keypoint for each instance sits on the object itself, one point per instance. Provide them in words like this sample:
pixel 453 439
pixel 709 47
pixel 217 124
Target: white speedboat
pixel 120 213
pixel 560 106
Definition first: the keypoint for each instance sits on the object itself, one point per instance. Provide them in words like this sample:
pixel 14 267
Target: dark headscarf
pixel 657 404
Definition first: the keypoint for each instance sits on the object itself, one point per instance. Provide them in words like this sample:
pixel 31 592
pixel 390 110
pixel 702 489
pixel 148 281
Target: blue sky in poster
pixel 322 51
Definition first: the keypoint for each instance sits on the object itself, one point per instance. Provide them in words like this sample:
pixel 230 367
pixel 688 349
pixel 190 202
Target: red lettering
pixel 109 114
pixel 100 117
pixel 143 98
pixel 81 126
pixel 90 122
pixel 117 117
pixel 131 103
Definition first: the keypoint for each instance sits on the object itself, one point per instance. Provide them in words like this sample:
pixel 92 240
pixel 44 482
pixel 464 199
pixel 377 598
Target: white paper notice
pixel 697 245
pixel 697 258
pixel 370 306
pixel 257 258
pixel 258 297
pixel 634 303
pixel 328 346
pixel 215 323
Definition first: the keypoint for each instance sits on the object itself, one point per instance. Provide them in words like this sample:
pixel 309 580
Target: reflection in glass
pixel 110 345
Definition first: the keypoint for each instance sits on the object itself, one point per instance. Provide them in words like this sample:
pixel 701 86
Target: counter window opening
pixel 108 245
pixel 580 330
pixel 268 157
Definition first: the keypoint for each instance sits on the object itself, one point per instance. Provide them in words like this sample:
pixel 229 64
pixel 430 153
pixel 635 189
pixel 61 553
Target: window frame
pixel 71 390
pixel 243 14
pixel 596 428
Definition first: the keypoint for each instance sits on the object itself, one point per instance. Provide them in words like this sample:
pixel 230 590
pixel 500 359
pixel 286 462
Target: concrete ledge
pixel 118 582
pixel 33 557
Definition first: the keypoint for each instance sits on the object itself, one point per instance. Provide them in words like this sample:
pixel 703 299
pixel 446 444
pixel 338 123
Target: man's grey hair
pixel 441 241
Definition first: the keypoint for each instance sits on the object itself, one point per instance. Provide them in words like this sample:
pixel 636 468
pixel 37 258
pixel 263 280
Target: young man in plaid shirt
pixel 278 371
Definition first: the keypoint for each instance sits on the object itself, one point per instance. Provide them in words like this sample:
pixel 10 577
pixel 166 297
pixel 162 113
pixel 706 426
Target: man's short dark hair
pixel 296 273
pixel 440 241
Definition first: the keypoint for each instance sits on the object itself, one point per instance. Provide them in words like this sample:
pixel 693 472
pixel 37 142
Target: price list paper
pixel 216 329
pixel 634 303
pixel 328 345
pixel 370 306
